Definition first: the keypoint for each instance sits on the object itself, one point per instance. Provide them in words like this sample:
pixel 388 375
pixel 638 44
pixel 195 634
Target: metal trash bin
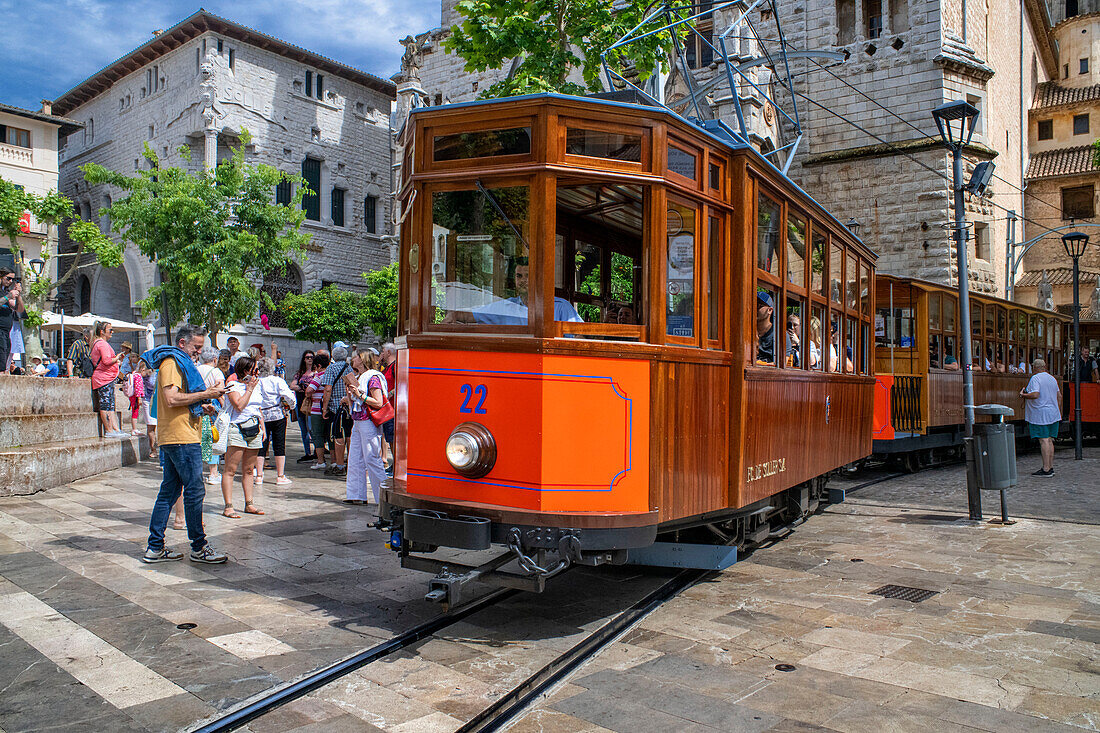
pixel 995 454
pixel 995 449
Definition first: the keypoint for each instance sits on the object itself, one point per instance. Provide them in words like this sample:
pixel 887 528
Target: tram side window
pixel 598 253
pixel 894 328
pixel 816 353
pixel 765 325
pixel 600 144
pixel 480 266
pixel 837 359
pixel 851 346
pixel 935 337
pixel 768 214
pixel 851 274
pixel 976 336
pixel 796 249
pixel 865 289
pixel 950 344
pixel 796 355
pixel 680 303
pixel 836 269
pixel 864 349
pixel 818 262
pixel 714 275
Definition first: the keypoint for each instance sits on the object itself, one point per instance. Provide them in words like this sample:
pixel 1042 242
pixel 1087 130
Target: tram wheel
pixel 911 462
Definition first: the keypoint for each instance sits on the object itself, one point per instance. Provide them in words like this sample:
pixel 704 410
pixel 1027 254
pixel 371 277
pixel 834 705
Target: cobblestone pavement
pixel 89 637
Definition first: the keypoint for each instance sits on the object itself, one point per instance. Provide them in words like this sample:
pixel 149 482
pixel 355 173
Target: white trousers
pixel 365 459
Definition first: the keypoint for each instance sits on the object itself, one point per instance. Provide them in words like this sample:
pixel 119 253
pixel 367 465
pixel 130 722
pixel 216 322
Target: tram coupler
pixel 447 587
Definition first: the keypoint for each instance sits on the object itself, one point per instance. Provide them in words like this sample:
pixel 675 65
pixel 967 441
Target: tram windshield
pixel 480 256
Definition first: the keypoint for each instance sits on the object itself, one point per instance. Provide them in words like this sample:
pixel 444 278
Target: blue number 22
pixel 481 390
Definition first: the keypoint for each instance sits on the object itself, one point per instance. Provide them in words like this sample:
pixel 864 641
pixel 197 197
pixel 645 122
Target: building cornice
pixel 883 150
pixel 1039 19
pixel 956 56
pixel 193 27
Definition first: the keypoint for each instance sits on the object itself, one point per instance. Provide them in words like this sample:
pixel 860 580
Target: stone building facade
pixel 907 56
pixel 1063 178
pixel 198 84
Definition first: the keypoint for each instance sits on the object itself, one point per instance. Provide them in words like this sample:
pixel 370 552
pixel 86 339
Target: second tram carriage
pixel 615 325
pixel 918 391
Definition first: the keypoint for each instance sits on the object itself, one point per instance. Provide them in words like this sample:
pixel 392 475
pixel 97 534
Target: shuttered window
pixel 311 202
pixel 283 192
pixel 370 215
pixel 338 207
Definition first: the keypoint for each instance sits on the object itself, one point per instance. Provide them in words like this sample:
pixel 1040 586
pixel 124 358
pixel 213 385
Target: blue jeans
pixel 182 472
pixel 303 426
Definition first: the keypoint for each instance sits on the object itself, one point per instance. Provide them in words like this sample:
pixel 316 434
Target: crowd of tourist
pixel 216 415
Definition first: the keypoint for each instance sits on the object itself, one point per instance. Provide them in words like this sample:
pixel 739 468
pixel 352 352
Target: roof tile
pixel 1062 162
pixel 1052 94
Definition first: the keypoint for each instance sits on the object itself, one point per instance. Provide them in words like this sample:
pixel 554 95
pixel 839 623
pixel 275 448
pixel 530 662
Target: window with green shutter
pixel 311 202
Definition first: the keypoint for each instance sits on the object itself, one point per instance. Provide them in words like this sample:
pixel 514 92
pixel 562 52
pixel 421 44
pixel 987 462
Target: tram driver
pixel 513 311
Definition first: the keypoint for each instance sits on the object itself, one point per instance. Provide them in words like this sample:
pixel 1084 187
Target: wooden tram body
pixel 919 391
pixel 625 395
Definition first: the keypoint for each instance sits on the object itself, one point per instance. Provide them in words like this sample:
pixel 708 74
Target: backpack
pixel 128 388
pixel 87 368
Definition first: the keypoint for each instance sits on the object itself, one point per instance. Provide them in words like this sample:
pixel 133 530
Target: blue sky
pixel 49 46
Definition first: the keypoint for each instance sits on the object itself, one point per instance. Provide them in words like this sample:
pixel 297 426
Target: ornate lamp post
pixel 37 265
pixel 956 121
pixel 853 226
pixel 1075 243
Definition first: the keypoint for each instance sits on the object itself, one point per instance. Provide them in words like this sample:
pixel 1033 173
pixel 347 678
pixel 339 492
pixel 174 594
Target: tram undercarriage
pixel 533 554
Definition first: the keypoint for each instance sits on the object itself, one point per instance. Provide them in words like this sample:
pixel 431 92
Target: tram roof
pixel 664 112
pixel 930 286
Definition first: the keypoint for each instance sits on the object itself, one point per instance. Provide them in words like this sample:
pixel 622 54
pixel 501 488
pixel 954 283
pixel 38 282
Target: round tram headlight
pixel 471 450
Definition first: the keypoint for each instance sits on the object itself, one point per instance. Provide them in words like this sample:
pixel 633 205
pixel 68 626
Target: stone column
pixel 210 149
pixel 861 23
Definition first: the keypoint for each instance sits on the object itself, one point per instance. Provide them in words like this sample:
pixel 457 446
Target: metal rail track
pixel 288 693
pixel 504 711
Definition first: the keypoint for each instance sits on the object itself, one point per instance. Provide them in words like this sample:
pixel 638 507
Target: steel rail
pixel 236 718
pixel 504 710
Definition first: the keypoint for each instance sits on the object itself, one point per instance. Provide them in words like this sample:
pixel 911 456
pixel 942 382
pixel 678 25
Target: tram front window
pixel 480 256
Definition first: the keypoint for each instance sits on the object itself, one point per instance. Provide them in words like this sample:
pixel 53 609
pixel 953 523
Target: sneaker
pixel 331 470
pixel 319 466
pixel 215 479
pixel 307 459
pixel 259 480
pixel 1043 473
pixel 208 555
pixel 343 471
pixel 164 555
pixel 283 481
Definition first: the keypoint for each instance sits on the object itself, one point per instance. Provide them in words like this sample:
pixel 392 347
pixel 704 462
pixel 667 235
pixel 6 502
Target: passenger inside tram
pixel 765 329
pixel 495 314
pixel 815 342
pixel 794 340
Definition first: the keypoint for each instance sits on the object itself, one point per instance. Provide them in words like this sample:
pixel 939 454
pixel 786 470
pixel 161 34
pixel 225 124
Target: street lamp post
pixel 1075 243
pixel 955 122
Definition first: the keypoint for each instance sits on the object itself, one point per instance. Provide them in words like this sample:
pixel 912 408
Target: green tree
pixel 548 35
pixel 381 301
pixel 51 210
pixel 213 234
pixel 327 315
pixel 1096 152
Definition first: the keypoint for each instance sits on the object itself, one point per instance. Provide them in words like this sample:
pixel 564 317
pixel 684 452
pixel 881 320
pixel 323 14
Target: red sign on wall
pixel 25 222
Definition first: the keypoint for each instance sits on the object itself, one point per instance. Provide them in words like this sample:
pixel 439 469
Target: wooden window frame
pixel 486 163
pixel 563 124
pixel 695 185
pixel 698 337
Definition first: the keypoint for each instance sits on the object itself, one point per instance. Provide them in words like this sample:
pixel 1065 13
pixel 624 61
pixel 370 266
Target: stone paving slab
pixel 1009 641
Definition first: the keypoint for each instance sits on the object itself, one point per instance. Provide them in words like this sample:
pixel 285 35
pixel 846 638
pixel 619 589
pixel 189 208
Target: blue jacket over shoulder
pixel 154 356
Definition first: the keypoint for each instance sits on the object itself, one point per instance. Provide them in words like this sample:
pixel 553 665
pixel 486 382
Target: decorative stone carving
pixel 410 60
pixel 1045 293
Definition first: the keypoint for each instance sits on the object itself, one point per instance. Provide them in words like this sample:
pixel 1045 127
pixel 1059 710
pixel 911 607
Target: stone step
pixel 48 395
pixel 30 469
pixel 24 430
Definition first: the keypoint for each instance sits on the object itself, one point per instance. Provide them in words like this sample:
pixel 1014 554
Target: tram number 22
pixel 481 391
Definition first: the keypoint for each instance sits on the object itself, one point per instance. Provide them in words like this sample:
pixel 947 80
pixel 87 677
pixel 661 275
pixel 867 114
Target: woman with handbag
pixel 246 435
pixel 368 405
pixel 275 399
pixel 299 384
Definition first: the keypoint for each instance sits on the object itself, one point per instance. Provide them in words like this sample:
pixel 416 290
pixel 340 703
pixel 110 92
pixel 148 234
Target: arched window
pixel 278 285
pixel 83 295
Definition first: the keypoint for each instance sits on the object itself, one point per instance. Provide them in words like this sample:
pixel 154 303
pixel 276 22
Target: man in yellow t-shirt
pixel 181 455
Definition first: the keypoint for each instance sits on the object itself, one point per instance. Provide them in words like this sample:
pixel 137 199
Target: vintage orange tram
pixel 615 325
pixel 918 391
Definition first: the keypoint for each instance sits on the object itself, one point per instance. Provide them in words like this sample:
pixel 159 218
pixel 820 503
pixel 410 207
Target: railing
pixel 905 404
pixel 16 154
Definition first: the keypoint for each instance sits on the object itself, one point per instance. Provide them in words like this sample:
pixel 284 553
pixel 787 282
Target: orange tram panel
pixel 614 325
